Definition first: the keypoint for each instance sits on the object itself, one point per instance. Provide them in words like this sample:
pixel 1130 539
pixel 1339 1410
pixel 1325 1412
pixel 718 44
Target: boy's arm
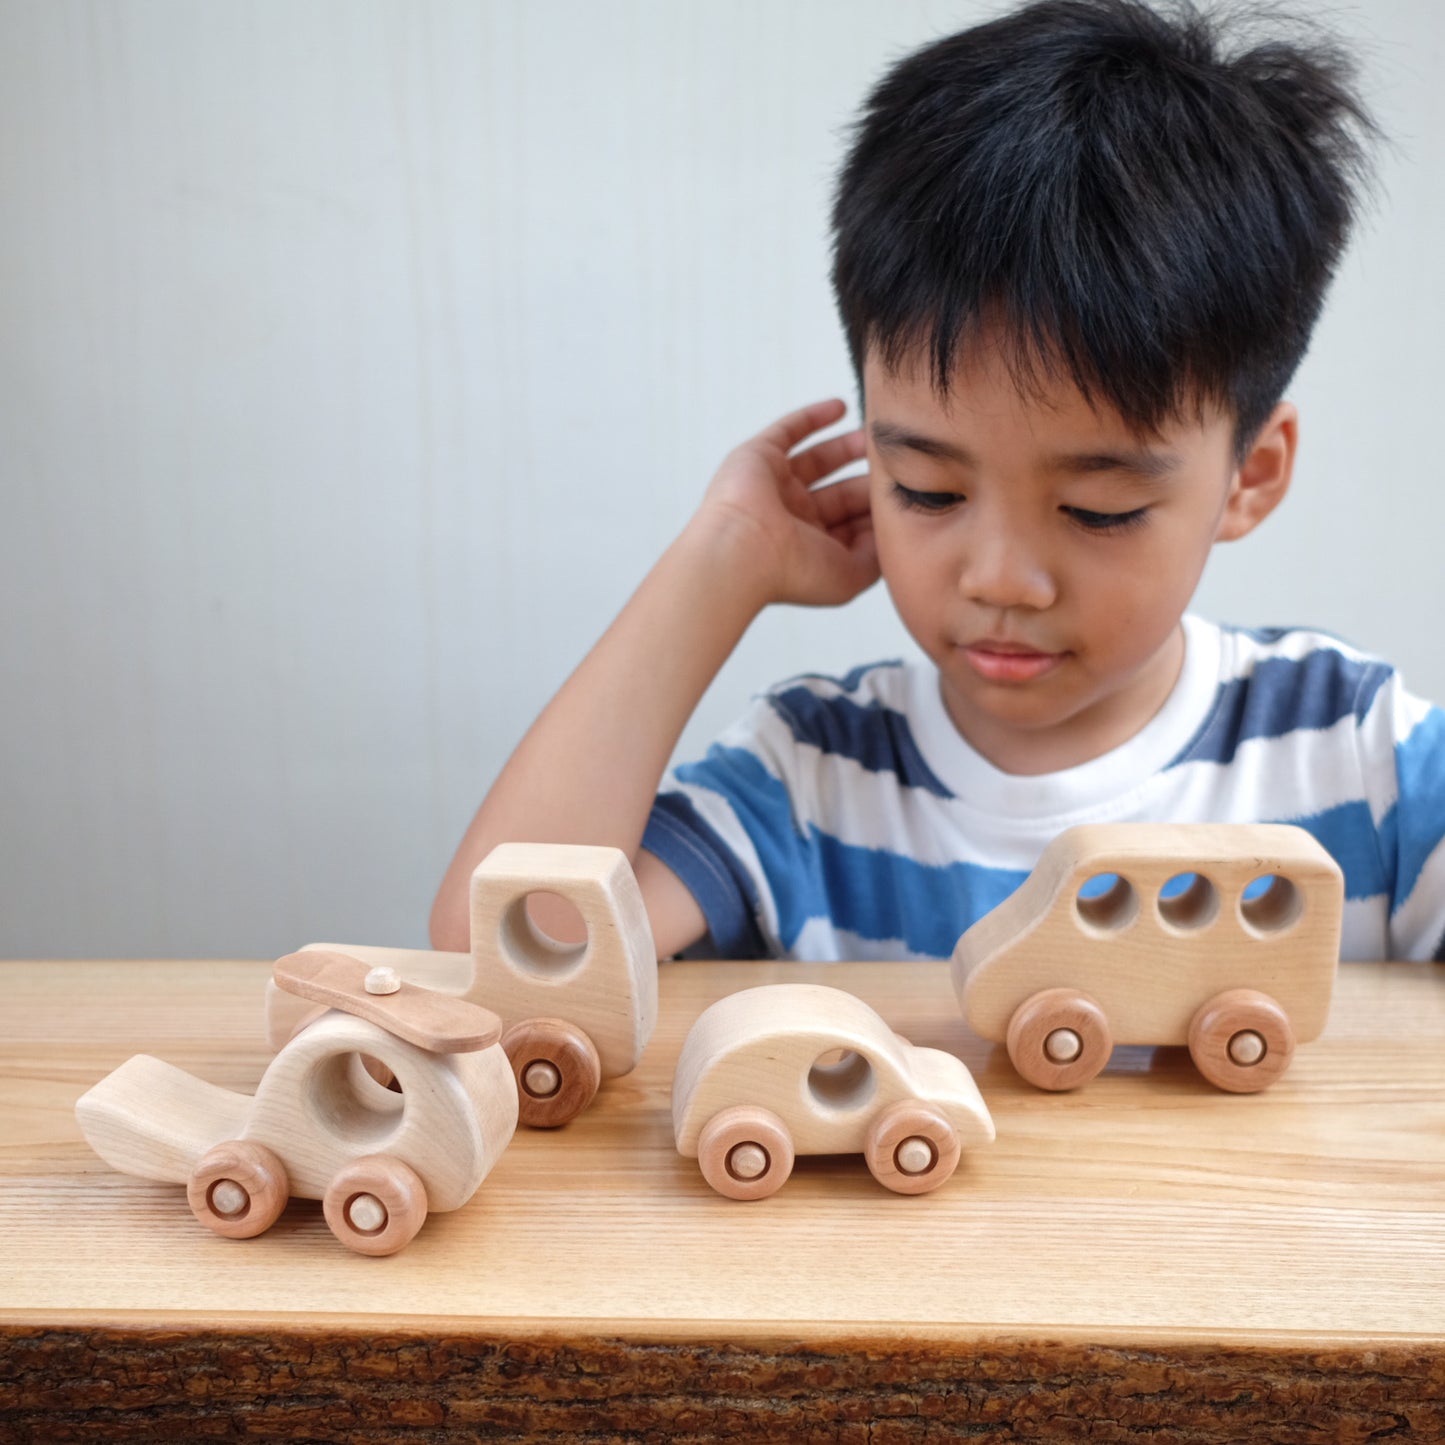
pixel 588 769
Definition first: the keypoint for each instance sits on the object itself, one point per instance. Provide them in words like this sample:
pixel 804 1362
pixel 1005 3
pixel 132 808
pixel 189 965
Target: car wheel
pixel 1241 1040
pixel 911 1148
pixel 1059 1039
pixel 238 1189
pixel 376 1204
pixel 745 1152
pixel 557 1070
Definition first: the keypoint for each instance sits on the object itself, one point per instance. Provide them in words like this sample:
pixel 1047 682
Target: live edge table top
pixel 1146 1218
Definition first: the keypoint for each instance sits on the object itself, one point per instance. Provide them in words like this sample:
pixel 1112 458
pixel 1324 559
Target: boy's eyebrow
pixel 890 437
pixel 1136 461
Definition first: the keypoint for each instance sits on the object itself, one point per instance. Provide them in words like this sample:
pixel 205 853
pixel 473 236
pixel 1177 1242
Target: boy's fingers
pixel 789 430
pixel 818 461
pixel 840 500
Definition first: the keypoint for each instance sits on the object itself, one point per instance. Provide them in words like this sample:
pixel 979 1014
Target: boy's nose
pixel 1005 569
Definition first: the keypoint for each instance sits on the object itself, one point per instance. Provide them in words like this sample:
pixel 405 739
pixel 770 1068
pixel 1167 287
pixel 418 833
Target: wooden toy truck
pixel 1224 937
pixel 785 1069
pixel 320 1125
pixel 573 1014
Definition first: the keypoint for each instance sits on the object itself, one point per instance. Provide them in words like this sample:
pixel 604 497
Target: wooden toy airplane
pixel 573 1014
pixel 785 1069
pixel 322 1124
pixel 1237 959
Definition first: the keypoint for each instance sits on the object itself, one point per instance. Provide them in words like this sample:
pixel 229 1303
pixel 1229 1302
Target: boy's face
pixel 1042 554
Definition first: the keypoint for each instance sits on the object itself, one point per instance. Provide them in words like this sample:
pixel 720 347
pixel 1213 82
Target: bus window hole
pixel 1107 902
pixel 1188 902
pixel 1271 904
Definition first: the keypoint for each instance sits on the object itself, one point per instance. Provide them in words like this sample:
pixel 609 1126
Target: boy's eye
pixel 925 501
pixel 1107 521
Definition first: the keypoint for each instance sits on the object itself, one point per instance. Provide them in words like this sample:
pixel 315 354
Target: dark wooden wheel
pixel 557 1070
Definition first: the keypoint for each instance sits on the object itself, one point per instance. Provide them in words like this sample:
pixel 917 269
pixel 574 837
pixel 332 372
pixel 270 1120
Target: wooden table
pixel 1145 1258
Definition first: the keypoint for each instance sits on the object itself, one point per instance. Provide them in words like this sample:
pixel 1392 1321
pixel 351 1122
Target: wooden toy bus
pixel 1221 937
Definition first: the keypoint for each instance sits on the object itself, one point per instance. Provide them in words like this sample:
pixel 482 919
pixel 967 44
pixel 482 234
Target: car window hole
pixel 841 1079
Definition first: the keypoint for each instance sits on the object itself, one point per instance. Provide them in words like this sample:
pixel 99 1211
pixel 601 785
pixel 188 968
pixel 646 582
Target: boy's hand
pixel 796 541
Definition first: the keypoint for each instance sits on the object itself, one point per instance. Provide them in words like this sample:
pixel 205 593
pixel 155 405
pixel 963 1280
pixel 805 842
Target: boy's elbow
pixel 450 926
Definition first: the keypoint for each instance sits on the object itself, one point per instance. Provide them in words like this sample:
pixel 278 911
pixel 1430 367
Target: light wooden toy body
pixel 574 1014
pixel 324 1123
pixel 787 1069
pixel 1060 977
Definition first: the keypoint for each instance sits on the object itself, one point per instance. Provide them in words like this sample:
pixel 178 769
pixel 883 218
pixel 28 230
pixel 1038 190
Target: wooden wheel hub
pixel 915 1155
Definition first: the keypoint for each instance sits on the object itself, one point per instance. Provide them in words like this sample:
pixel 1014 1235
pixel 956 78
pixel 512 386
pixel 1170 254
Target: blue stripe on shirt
pixel 1348 833
pixel 1418 817
pixel 679 835
pixel 812 875
pixel 876 737
pixel 1282 695
pixel 926 907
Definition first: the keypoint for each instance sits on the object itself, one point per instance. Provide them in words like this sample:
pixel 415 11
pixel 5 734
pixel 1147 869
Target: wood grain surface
pixel 1147 1258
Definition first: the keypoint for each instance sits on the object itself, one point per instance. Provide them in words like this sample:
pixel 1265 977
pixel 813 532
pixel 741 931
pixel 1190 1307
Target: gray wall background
pixel 357 357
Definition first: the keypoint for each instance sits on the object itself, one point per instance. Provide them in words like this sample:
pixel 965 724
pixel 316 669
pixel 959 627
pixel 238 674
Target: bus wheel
pixel 1059 1039
pixel 1241 1040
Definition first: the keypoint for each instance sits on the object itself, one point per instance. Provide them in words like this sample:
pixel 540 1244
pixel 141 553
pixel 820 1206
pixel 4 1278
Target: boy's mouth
pixel 1009 661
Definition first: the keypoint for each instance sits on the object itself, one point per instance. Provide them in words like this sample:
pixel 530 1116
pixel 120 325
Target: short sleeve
pixel 1412 830
pixel 725 825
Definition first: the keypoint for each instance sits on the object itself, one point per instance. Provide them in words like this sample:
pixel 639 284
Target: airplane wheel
pixel 557 1070
pixel 1059 1039
pixel 1241 1040
pixel 911 1148
pixel 238 1189
pixel 745 1152
pixel 375 1205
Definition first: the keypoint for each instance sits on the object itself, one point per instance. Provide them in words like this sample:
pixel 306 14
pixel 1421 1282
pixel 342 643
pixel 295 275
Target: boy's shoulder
pixel 869 683
pixel 1285 682
pixel 867 715
pixel 1301 662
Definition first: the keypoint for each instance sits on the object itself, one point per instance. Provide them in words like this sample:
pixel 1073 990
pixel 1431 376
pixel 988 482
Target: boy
pixel 1078 255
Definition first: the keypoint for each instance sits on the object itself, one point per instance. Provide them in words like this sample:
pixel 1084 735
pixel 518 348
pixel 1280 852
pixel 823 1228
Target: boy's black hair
pixel 1133 207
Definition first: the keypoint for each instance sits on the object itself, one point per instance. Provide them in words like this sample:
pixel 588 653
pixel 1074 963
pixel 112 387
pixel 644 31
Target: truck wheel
pixel 376 1204
pixel 745 1152
pixel 238 1189
pixel 1059 1039
pixel 911 1148
pixel 1241 1040
pixel 557 1070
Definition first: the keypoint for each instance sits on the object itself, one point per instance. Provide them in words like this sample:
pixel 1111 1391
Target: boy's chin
pixel 1032 728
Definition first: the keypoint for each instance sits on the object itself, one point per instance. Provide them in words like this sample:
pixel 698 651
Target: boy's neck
pixel 1095 728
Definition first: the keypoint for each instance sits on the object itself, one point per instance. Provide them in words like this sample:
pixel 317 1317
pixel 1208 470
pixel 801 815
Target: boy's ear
pixel 1263 477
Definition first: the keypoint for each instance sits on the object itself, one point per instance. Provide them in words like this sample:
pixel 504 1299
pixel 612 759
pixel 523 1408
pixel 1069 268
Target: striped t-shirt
pixel 847 818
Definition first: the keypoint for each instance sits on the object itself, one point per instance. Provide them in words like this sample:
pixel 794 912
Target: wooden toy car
pixel 320 1125
pixel 1224 937
pixel 573 1014
pixel 785 1069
